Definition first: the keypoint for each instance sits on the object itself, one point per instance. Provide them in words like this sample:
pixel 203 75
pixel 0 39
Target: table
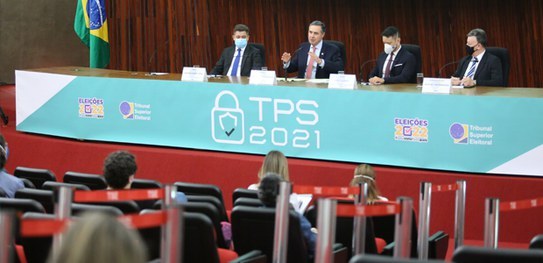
pixel 483 129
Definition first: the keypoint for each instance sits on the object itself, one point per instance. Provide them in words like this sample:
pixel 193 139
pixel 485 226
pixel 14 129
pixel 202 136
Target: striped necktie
pixel 471 70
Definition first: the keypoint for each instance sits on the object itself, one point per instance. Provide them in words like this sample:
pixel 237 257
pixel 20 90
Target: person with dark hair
pixel 119 170
pixel 268 190
pixel 478 67
pixel 239 59
pixel 8 183
pixel 316 59
pixel 394 65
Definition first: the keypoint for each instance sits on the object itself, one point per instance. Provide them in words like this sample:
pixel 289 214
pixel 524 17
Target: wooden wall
pixel 165 35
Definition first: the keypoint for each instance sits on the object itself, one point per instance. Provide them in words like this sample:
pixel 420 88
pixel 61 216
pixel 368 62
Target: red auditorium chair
pixel 44 197
pixel 537 242
pixel 205 190
pixel 467 254
pixel 253 229
pixel 145 184
pixel 245 193
pixel 22 205
pixel 55 185
pixel 387 259
pixel 35 175
pixel 93 181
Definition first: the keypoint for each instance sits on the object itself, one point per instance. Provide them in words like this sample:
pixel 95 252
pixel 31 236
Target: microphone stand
pixel 444 66
pixel 362 68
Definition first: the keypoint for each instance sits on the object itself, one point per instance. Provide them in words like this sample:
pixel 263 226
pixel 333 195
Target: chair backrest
pixel 145 184
pixel 36 249
pixel 199 245
pixel 55 185
pixel 211 200
pixel 262 50
pixel 537 242
pixel 341 48
pixel 35 175
pixel 212 213
pixel 127 207
pixel 93 181
pixel 203 189
pixel 253 229
pixel 244 201
pixel 243 192
pixel 387 259
pixel 503 55
pixel 415 50
pixel 384 227
pixel 44 197
pixel 344 230
pixel 467 254
pixel 22 205
pixel 29 184
pixel 438 244
pixel 78 209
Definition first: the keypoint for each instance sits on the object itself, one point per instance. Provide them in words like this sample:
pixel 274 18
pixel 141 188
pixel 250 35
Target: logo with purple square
pixel 127 110
pixel 459 133
pixel 411 130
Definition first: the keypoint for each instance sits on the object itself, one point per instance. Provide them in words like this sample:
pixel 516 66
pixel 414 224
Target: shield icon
pixel 228 123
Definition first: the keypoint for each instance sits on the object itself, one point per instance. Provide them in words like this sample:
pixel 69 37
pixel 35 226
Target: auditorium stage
pixel 230 171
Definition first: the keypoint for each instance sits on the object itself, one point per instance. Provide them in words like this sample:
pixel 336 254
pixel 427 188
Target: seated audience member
pixel 99 237
pixel 478 67
pixel 239 59
pixel 119 170
pixel 364 173
pixel 316 59
pixel 8 183
pixel 394 65
pixel 274 162
pixel 268 190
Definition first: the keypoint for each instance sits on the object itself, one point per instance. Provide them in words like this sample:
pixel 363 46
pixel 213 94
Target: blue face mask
pixel 240 42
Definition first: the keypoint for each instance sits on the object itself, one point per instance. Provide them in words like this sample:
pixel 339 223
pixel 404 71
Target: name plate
pixel 194 74
pixel 262 77
pixel 342 81
pixel 436 85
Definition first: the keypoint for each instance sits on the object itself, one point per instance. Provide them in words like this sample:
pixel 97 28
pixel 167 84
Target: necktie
pixel 389 64
pixel 471 70
pixel 309 69
pixel 236 63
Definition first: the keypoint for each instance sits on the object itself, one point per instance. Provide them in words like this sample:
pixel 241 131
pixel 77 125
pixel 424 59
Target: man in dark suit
pixel 479 67
pixel 239 59
pixel 315 59
pixel 395 65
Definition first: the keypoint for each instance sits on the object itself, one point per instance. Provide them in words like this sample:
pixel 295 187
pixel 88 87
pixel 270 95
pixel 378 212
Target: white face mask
pixel 388 48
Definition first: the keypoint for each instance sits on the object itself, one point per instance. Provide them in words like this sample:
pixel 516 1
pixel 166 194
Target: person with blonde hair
pixel 100 237
pixel 274 162
pixel 364 173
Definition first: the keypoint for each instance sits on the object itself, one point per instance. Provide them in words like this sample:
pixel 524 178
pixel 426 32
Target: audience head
pixel 3 152
pixel 391 39
pixel 275 162
pixel 364 173
pixel 316 32
pixel 268 189
pixel 119 169
pixel 99 237
pixel 240 35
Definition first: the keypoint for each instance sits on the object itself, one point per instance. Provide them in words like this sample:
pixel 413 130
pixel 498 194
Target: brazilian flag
pixel 91 26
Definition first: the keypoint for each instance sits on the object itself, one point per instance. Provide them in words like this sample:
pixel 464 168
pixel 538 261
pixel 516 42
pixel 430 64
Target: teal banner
pixel 449 132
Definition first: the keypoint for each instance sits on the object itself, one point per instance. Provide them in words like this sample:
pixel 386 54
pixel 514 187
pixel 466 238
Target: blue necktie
pixel 236 63
pixel 471 70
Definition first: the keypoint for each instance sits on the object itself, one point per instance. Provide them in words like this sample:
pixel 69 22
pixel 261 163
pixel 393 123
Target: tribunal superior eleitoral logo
pixel 227 120
pixel 471 134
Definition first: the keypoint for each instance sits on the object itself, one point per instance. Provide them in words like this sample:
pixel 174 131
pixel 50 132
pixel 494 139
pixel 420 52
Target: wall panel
pixel 165 35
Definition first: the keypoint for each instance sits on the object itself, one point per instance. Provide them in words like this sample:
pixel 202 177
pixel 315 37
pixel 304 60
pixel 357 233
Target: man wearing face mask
pixel 239 59
pixel 395 65
pixel 479 67
pixel 316 59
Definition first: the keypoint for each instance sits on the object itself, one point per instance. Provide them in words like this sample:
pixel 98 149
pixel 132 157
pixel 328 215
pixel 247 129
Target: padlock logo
pixel 227 123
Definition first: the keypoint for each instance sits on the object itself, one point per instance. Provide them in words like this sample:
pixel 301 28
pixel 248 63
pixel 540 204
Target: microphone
pixel 154 54
pixel 444 66
pixel 362 68
pixel 293 54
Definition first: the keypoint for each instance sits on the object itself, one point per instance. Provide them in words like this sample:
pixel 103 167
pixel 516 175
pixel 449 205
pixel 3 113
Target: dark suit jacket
pixel 251 60
pixel 332 61
pixel 403 67
pixel 489 71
